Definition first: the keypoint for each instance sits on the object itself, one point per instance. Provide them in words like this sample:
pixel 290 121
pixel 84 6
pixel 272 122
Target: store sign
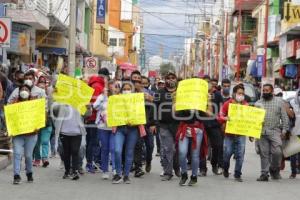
pixel 20 39
pixel 101 10
pixel 291 13
pixel 53 39
pixel 298 50
pixel 5 32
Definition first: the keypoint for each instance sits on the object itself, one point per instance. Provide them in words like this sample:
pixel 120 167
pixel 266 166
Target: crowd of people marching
pixel 184 141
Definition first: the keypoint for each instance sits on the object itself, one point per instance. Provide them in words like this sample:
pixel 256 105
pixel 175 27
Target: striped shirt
pixel 276 115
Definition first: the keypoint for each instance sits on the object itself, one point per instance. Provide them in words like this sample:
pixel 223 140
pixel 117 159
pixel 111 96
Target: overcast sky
pixel 174 24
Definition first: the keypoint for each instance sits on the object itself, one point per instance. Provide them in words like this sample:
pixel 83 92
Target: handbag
pixel 292 146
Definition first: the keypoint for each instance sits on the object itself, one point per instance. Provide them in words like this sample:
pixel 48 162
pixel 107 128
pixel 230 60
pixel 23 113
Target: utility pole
pixel 221 31
pixel 72 38
pixel 264 69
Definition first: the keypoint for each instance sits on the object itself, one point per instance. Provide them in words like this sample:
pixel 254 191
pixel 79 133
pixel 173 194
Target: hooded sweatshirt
pixel 98 84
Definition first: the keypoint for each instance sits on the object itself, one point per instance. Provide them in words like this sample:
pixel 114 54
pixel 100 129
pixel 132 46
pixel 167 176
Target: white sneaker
pixel 114 172
pixel 162 174
pixel 105 176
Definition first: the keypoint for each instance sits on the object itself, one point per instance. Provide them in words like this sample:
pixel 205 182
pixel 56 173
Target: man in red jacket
pixel 97 82
pixel 233 144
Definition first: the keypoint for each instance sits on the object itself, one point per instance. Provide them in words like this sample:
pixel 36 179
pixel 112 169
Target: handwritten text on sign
pixel 25 117
pixel 73 92
pixel 245 120
pixel 192 94
pixel 126 109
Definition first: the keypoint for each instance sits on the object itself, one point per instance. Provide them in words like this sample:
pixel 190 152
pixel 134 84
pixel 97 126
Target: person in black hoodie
pixel 214 132
pixel 168 126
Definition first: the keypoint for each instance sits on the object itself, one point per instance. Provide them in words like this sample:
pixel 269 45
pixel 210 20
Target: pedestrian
pixel 23 143
pixel 150 124
pixel 214 132
pixel 275 127
pixel 41 150
pixel 105 135
pixel 295 130
pixel 168 125
pixel 190 131
pixel 97 82
pixel 29 79
pixel 226 86
pixel 233 144
pixel 70 128
pixel 124 135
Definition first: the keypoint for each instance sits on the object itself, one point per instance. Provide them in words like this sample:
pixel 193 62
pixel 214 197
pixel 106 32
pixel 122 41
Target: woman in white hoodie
pixel 295 104
pixel 104 132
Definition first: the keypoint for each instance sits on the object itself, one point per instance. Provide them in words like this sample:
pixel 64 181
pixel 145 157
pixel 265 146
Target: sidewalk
pixel 4 162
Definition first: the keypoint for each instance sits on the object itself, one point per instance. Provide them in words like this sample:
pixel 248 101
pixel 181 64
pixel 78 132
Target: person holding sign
pixel 274 131
pixel 233 144
pixel 25 142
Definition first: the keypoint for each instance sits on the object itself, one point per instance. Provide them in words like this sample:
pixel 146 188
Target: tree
pixel 166 67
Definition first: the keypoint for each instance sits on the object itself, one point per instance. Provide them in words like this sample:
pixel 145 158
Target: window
pixel 122 42
pixel 113 42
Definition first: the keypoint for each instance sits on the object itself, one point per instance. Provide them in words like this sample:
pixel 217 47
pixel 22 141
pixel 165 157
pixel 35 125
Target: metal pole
pixel 72 38
pixel 221 56
pixel 264 70
pixel 239 41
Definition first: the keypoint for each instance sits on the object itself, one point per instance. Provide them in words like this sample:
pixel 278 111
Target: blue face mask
pixel 226 91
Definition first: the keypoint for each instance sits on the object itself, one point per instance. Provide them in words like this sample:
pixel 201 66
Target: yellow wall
pixel 98 48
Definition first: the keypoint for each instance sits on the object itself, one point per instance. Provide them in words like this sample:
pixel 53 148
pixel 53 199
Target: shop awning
pixel 53 51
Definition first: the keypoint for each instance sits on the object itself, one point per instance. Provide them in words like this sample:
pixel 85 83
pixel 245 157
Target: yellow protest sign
pixel 25 117
pixel 192 94
pixel 245 120
pixel 73 92
pixel 126 109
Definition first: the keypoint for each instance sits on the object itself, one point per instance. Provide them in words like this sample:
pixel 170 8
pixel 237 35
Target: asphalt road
pixel 49 185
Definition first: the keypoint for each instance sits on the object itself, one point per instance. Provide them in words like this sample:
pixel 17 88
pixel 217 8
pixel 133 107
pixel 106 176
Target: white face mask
pixel 240 98
pixel 24 94
pixel 126 92
pixel 28 82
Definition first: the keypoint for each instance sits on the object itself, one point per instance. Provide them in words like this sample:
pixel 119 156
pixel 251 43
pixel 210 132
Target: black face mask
pixel 267 96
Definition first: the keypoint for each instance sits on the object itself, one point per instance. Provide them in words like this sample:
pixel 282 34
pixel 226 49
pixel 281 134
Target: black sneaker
pixel 148 167
pixel 263 178
pixel 167 177
pixel 276 176
pixel 183 180
pixel 46 163
pixel 225 173
pixel 29 178
pixel 126 180
pixel 217 170
pixel 177 172
pixel 17 179
pixel 238 179
pixel 75 176
pixel 293 176
pixel 116 179
pixel 193 181
pixel 139 173
pixel 66 175
pixel 202 173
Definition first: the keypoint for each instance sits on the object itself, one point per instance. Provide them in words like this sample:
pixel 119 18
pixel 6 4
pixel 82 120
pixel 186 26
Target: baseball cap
pixel 277 91
pixel 169 73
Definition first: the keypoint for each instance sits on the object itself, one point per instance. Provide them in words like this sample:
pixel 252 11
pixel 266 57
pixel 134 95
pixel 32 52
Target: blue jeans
pixel 92 146
pixel 127 136
pixel 23 143
pixel 183 150
pixel 295 160
pixel 234 145
pixel 107 146
pixel 43 143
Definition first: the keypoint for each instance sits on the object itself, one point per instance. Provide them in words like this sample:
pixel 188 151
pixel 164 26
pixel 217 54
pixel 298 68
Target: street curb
pixel 4 162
